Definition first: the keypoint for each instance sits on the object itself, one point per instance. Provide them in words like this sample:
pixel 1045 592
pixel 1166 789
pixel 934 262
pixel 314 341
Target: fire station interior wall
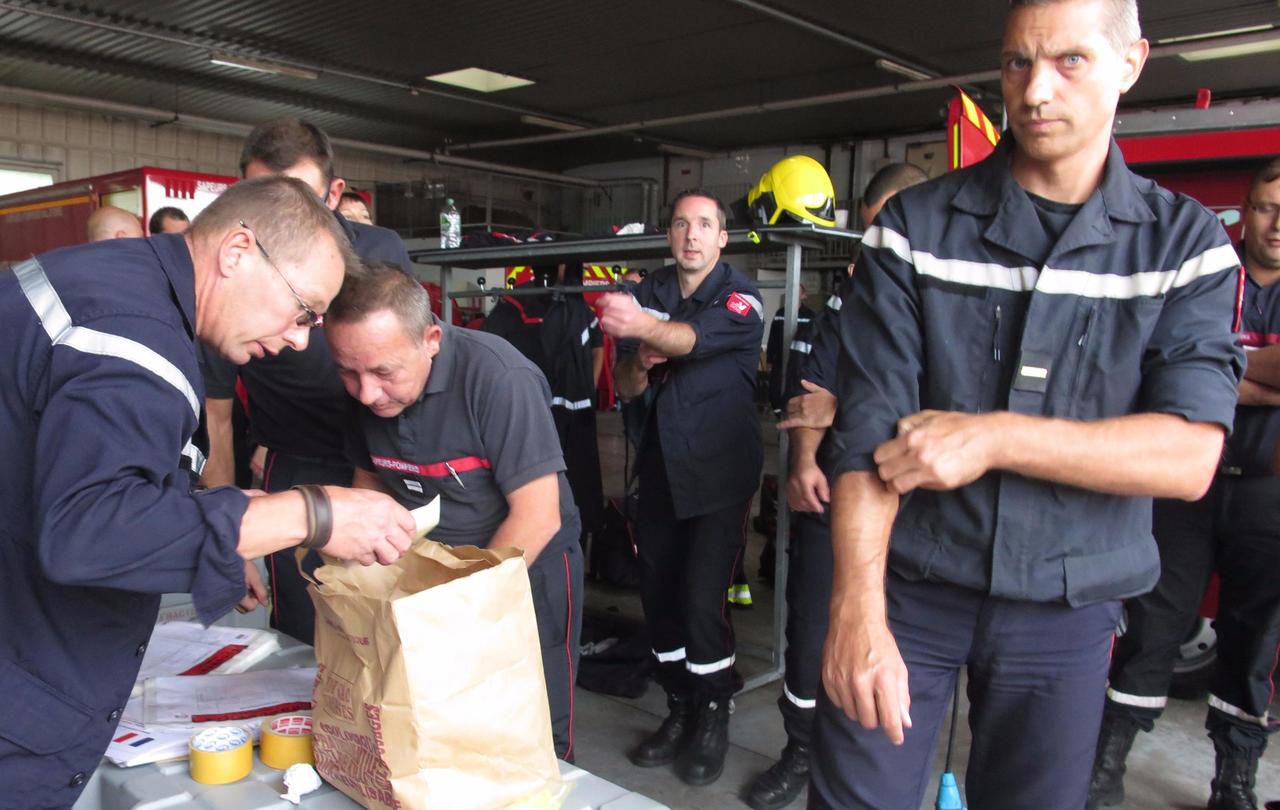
pixel 84 144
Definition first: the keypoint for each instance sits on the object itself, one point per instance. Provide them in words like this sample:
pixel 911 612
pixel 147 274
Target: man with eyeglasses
pixel 1234 531
pixel 297 407
pixel 100 405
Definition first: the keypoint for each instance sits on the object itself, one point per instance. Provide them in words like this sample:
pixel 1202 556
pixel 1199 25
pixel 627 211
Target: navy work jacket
pixel 100 398
pixel 703 403
pixel 962 302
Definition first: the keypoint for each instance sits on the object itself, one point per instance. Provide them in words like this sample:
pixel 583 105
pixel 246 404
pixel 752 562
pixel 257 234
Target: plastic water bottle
pixel 949 793
pixel 450 225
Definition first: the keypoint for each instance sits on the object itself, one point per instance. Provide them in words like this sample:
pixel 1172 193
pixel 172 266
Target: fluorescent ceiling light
pixel 479 79
pixel 1230 51
pixel 261 66
pixel 1212 34
pixel 902 70
pixel 550 123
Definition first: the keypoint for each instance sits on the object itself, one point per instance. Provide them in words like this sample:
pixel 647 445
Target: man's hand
pixel 816 409
pixel 864 674
pixel 648 357
pixel 939 450
pixel 807 488
pixel 622 316
pixel 255 590
pixel 368 526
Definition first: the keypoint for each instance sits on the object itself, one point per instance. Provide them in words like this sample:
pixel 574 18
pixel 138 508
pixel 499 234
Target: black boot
pixel 703 757
pixel 781 784
pixel 1106 785
pixel 661 747
pixel 1233 780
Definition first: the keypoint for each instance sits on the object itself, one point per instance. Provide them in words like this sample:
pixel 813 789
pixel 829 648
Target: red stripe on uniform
pixel 1259 339
pixel 437 470
pixel 568 651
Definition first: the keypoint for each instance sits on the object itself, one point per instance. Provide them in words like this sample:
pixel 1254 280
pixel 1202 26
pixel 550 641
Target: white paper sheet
pixel 229 699
pixel 176 647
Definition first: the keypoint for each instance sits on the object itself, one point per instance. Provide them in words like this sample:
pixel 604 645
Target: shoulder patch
pixel 742 304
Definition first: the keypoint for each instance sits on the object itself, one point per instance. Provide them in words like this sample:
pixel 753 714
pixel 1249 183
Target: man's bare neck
pixel 690 282
pixel 1070 180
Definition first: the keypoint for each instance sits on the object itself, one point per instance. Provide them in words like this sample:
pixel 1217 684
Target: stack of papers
pixel 193 676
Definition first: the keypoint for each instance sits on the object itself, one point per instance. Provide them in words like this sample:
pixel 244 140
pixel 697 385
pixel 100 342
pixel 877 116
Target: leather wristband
pixel 319 515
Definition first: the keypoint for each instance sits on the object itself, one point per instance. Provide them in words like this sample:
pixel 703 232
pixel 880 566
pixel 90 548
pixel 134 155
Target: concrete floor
pixel 1169 768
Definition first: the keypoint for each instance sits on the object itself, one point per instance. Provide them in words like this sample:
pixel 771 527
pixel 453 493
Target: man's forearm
pixel 671 338
pixel 220 470
pixel 272 523
pixel 1158 455
pixel 533 520
pixel 630 378
pixel 804 443
pixel 862 515
pixel 1263 366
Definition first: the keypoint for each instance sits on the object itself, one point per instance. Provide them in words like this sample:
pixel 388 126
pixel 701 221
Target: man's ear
pixel 233 250
pixel 431 338
pixel 336 186
pixel 1133 60
pixel 723 239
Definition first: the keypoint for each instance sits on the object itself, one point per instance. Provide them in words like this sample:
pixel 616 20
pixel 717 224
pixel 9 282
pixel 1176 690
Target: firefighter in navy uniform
pixel 811 371
pixel 1235 531
pixel 461 414
pixel 99 411
pixel 1034 347
pixel 561 335
pixel 297 406
pixel 691 338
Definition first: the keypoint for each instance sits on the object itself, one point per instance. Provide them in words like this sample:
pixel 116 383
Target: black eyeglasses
pixel 309 317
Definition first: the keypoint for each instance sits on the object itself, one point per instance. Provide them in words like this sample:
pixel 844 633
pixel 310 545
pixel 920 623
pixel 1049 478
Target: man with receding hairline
pixel 1033 348
pixel 100 429
pixel 109 222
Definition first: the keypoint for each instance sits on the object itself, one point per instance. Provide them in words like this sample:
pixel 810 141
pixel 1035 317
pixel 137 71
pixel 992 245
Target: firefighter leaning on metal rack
pixel 811 376
pixel 1233 531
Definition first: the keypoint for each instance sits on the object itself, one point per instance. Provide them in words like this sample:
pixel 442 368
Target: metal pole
pixel 446 280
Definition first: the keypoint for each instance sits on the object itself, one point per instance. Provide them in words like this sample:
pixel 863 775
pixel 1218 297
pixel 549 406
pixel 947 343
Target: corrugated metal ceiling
pixel 603 62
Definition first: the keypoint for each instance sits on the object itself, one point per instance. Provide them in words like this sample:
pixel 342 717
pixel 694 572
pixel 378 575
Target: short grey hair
pixel 378 287
pixel 1123 28
pixel 283 213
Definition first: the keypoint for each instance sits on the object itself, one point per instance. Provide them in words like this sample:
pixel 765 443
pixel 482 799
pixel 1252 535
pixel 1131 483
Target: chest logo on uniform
pixel 738 305
pixel 412 485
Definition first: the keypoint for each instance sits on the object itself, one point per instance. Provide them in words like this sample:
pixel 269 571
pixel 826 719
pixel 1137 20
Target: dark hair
pixel 284 142
pixel 156 223
pixel 706 195
pixel 891 179
pixel 1269 173
pixel 1122 19
pixel 383 286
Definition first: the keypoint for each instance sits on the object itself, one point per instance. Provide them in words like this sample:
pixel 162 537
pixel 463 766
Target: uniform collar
pixel 175 259
pixel 442 364
pixel 705 291
pixel 991 190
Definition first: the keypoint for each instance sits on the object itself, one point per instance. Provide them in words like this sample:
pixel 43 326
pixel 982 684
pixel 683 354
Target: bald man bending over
pixel 113 223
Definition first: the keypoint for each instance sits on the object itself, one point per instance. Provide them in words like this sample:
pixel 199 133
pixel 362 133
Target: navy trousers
pixel 808 602
pixel 1036 677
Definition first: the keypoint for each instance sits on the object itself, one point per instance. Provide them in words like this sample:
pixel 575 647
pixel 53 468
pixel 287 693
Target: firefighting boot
pixel 1106 785
pixel 781 784
pixel 661 747
pixel 1233 780
pixel 703 757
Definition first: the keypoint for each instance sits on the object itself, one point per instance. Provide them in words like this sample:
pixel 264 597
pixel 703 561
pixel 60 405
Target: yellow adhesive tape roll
pixel 286 741
pixel 221 755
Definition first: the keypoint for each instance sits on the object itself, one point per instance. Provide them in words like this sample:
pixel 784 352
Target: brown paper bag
pixel 429 689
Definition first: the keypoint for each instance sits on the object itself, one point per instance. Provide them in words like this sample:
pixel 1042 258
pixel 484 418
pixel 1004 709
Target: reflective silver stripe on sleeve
pixel 662 316
pixel 797 701
pixel 755 304
pixel 195 458
pixel 586 335
pixel 571 404
pixel 667 657
pixel 707 669
pixel 57 324
pixel 801 346
pixel 1140 701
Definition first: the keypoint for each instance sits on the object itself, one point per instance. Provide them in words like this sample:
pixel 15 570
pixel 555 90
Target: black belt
pixel 327 462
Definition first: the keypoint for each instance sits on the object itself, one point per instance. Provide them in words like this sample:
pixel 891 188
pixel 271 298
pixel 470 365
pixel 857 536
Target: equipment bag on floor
pixel 429 689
